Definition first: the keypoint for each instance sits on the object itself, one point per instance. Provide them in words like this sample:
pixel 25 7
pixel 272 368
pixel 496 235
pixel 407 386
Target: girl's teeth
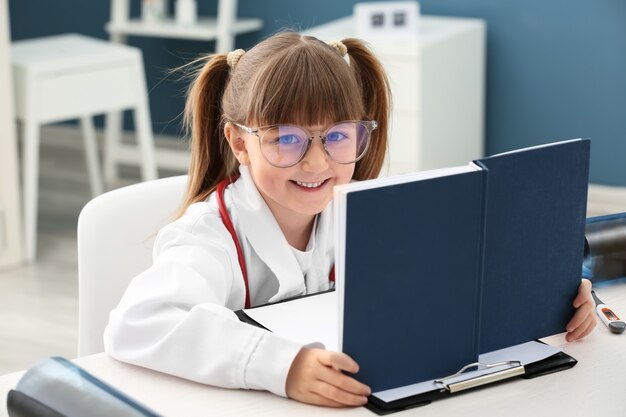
pixel 309 184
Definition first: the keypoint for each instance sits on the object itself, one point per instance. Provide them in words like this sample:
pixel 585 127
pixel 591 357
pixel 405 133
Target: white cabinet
pixel 438 87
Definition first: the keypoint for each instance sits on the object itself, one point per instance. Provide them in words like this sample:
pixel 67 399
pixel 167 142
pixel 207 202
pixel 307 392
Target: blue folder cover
pixel 439 270
pixel 536 208
pixel 429 245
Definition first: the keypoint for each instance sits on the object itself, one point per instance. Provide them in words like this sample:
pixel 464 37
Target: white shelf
pixel 222 29
pixel 204 30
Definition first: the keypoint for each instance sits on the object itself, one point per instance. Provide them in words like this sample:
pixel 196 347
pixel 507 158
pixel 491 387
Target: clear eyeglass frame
pixel 369 125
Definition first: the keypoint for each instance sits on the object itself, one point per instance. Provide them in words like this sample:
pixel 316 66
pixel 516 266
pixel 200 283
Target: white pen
pixel 607 316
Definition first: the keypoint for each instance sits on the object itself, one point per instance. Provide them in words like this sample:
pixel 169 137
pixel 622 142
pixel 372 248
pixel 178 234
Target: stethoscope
pixel 229 226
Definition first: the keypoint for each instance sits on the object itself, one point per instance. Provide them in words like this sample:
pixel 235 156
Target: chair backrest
pixel 116 231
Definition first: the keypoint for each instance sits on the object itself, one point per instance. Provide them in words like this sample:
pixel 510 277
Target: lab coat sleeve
pixel 173 317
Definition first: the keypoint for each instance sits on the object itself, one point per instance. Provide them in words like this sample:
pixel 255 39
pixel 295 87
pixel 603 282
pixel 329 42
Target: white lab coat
pixel 177 317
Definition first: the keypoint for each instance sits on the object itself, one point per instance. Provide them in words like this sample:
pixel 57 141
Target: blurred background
pixel 501 75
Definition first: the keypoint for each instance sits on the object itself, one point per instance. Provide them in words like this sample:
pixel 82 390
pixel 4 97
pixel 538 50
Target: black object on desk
pixel 22 405
pixel 56 387
pixel 605 247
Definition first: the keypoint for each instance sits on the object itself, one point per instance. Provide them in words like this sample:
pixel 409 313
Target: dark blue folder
pixel 440 270
pixel 536 209
pixel 412 287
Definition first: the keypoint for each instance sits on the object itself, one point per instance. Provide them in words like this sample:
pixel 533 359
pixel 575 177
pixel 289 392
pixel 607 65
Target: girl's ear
pixel 236 143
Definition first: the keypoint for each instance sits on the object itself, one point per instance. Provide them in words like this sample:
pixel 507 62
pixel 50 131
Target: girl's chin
pixel 311 208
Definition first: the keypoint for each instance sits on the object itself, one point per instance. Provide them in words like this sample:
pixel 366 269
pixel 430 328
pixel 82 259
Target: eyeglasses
pixel 285 145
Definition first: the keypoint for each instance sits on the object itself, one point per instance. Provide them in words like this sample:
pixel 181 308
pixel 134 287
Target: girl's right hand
pixel 316 377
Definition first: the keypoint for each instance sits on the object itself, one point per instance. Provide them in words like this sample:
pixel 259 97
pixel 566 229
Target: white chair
pixel 116 231
pixel 71 76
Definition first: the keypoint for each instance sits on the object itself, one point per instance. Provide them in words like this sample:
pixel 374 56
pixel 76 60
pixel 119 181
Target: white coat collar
pixel 266 238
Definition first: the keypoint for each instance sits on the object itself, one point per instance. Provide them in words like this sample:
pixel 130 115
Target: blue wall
pixel 556 68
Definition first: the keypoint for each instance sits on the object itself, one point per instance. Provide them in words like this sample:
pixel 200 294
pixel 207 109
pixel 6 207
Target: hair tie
pixel 339 47
pixel 233 57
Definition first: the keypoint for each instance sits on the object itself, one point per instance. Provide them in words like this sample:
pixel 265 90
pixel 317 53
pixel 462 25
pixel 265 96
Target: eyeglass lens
pixel 285 145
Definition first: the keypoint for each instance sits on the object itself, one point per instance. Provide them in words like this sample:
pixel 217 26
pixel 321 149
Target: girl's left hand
pixel 584 320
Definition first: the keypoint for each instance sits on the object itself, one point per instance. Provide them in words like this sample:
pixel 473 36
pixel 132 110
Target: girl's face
pixel 303 189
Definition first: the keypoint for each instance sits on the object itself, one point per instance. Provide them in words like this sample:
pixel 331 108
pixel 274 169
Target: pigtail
pixel 376 95
pixel 211 159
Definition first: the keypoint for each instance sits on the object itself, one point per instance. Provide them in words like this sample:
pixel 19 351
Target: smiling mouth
pixel 310 185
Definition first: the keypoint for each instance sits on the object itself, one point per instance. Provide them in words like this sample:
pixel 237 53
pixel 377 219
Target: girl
pixel 273 130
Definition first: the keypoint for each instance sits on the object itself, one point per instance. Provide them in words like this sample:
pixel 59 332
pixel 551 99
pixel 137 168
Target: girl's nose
pixel 316 158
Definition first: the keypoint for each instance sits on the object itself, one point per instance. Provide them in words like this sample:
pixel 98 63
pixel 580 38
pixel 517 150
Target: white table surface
pixel 595 386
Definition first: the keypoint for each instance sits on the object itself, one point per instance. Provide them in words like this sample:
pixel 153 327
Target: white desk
pixel 595 386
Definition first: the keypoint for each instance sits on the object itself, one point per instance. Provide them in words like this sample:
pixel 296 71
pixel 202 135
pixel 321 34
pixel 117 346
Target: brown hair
pixel 287 78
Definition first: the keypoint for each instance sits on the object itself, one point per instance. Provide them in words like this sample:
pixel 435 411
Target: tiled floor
pixel 38 302
pixel 39 306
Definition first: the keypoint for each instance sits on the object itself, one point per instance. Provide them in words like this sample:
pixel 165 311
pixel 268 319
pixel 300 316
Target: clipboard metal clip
pixel 456 382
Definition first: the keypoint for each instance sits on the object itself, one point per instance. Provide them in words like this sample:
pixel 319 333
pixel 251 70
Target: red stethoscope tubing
pixel 229 226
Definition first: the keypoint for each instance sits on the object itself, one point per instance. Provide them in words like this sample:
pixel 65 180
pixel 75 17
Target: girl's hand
pixel 584 320
pixel 315 377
